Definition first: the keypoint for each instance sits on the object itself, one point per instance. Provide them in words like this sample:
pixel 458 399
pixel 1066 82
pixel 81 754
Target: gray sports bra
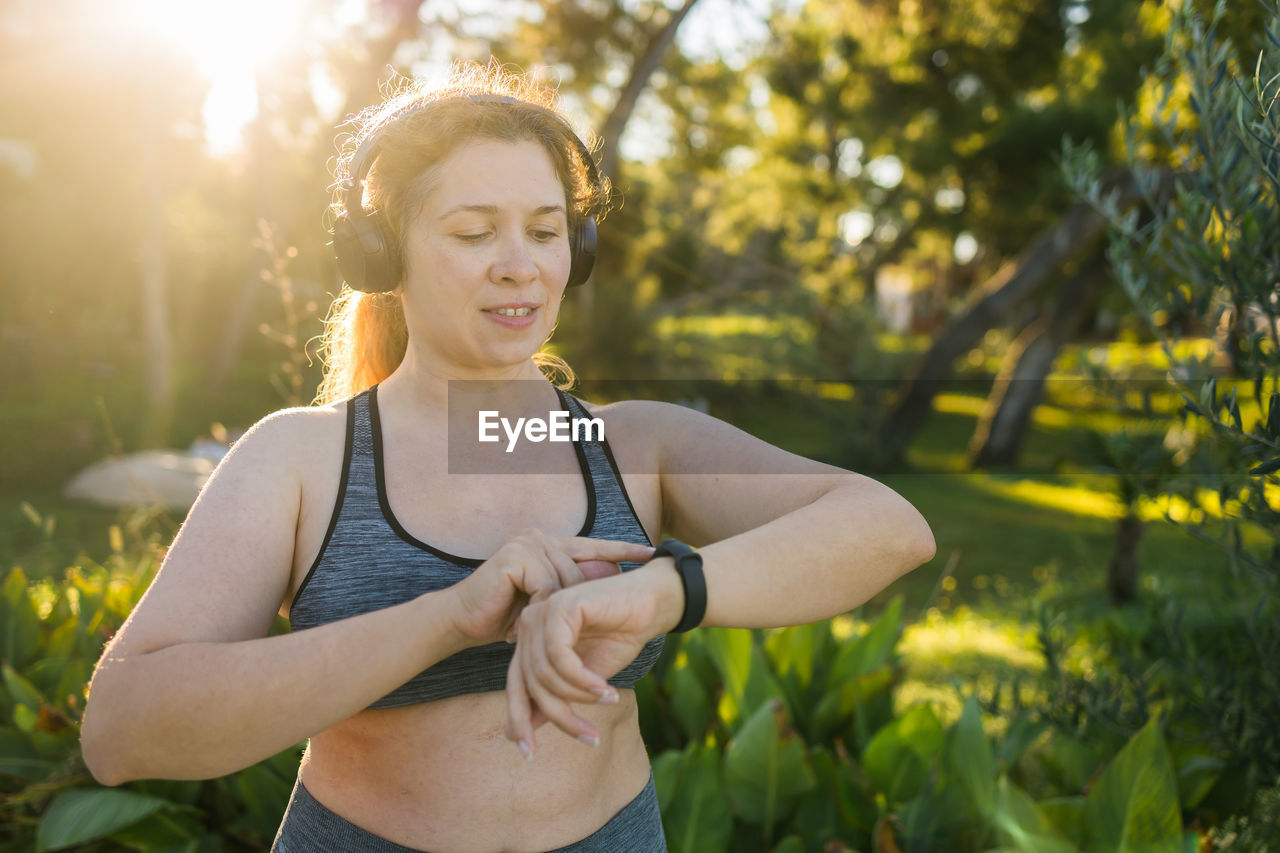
pixel 368 561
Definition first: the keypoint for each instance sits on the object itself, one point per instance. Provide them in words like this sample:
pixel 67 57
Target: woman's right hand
pixel 530 567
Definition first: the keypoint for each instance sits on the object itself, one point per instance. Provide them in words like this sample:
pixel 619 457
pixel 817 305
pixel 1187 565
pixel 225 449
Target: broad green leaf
pixel 19 758
pixel 164 831
pixel 1196 777
pixel 19 622
pixel 1073 763
pixel 793 650
pixel 766 767
pixel 1067 815
pixel 836 807
pixel 971 759
pixel 1022 732
pixel 747 679
pixel 1022 825
pixel 852 699
pixel 936 817
pixel 790 844
pixel 873 649
pixel 265 793
pixel 689 701
pixel 730 650
pixel 897 758
pixel 86 814
pixel 1134 804
pixel 667 769
pixel 21 690
pixel 697 819
pixel 45 674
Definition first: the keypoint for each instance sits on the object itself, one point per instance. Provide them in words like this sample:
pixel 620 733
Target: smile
pixel 512 312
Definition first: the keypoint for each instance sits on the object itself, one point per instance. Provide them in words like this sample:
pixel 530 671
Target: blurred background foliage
pixel 849 226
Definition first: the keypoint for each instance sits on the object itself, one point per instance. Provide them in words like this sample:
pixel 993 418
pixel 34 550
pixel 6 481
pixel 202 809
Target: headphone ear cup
pixel 584 251
pixel 366 254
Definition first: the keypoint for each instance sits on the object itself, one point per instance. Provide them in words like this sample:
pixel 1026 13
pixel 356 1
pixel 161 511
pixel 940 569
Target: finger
pixel 556 668
pixel 586 684
pixel 549 691
pixel 583 549
pixel 539 578
pixel 518 727
pixel 559 713
pixel 596 569
pixel 567 570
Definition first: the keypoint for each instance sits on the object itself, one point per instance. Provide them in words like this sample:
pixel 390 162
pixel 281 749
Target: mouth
pixel 516 316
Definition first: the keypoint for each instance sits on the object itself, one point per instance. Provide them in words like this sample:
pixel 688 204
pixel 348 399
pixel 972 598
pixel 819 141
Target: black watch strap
pixel 689 567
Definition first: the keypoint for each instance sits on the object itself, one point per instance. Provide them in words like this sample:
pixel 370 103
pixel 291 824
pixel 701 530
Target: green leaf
pixel 1196 777
pixel 1070 761
pixel 86 814
pixel 1021 733
pixel 790 844
pixel 1067 815
pixel 19 622
pixel 766 768
pixel 1134 804
pixel 20 690
pixel 897 758
pixel 697 818
pixel 1022 825
pixel 667 769
pixel 168 832
pixel 836 807
pixel 265 794
pixel 873 649
pixel 19 758
pixel 794 650
pixel 1266 467
pixel 971 759
pixel 689 701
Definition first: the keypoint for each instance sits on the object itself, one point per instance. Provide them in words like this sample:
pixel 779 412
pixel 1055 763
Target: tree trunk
pixel 1122 573
pixel 1020 384
pixel 1012 284
pixel 647 63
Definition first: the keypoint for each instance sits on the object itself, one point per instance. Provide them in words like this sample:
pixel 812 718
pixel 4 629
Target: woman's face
pixel 487 257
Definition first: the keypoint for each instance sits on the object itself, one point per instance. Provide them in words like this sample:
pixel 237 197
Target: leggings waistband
pixel 309 826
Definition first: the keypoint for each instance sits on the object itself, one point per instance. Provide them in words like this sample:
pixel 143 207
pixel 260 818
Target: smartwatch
pixel 689 567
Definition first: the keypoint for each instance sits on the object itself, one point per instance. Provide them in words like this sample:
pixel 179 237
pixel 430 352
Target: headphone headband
pixel 365 247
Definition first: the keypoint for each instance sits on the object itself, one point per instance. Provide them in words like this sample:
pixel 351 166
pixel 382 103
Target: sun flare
pixel 229 43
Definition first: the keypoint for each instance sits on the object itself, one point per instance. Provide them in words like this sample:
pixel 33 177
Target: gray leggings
pixel 308 827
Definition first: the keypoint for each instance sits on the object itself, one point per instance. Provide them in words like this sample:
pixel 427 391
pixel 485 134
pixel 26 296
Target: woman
pixel 421 671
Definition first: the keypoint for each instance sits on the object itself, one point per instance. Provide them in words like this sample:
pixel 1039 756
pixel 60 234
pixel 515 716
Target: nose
pixel 514 264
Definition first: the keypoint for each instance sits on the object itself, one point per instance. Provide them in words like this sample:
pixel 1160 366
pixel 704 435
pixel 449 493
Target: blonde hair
pixel 365 336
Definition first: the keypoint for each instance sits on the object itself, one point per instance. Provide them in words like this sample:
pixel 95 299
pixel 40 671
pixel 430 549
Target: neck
pixel 428 386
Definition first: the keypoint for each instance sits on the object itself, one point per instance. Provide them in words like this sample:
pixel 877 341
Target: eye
pixel 472 238
pixel 544 235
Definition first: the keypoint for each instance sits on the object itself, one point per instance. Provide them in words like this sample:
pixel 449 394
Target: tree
pixel 1206 246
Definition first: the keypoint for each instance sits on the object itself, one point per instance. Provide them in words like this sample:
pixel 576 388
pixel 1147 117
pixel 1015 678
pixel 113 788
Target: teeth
pixel 513 312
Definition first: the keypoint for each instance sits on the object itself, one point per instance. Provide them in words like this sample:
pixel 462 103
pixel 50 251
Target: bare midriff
pixel 441 776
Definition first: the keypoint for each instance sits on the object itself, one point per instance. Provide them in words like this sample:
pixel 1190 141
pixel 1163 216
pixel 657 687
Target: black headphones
pixel 363 244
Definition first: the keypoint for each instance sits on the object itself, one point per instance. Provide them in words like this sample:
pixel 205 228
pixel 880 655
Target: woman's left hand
pixel 568 644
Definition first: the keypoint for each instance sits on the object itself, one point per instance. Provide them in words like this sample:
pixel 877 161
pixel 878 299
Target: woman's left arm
pixel 784 541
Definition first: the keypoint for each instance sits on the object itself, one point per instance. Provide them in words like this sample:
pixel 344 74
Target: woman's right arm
pixel 191 686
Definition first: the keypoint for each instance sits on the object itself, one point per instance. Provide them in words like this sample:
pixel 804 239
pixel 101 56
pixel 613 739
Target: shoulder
pixel 646 430
pixel 290 440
